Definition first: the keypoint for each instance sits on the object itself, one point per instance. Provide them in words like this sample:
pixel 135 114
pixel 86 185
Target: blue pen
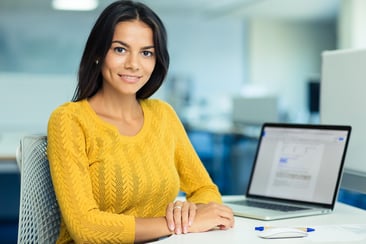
pixel 261 228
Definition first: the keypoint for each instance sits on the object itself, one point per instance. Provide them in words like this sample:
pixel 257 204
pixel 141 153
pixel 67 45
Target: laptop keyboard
pixel 272 206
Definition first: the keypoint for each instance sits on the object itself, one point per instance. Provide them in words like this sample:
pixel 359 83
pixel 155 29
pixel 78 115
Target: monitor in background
pixel 313 96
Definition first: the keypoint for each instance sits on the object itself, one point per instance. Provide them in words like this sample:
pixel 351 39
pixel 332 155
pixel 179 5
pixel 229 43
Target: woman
pixel 119 159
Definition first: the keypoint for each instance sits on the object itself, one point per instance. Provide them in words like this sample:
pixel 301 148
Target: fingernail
pixel 178 231
pixel 185 230
pixel 171 227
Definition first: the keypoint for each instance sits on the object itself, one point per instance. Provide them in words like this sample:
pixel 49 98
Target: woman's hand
pixel 180 216
pixel 212 215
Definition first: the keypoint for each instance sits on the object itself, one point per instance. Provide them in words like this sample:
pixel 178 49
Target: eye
pixel 147 53
pixel 119 50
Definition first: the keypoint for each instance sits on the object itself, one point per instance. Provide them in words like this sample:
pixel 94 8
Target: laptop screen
pixel 299 162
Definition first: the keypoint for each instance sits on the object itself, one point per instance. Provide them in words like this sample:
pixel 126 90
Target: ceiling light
pixel 75 5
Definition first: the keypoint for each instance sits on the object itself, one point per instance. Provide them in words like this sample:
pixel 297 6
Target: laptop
pixel 297 171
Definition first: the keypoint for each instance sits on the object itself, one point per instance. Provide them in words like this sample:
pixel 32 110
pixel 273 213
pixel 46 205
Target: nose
pixel 132 62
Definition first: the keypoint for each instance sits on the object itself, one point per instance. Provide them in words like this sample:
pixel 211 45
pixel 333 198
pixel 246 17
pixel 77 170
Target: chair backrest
pixel 39 214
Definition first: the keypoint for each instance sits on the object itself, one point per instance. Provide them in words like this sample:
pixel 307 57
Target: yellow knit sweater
pixel 103 180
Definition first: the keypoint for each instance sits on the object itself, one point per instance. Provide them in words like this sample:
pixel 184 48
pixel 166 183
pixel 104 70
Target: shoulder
pixel 157 105
pixel 69 109
pixel 160 110
pixel 154 102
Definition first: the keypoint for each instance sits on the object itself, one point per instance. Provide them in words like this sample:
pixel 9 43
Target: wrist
pixel 151 228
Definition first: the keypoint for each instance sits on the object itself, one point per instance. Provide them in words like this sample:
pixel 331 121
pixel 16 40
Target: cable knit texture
pixel 103 179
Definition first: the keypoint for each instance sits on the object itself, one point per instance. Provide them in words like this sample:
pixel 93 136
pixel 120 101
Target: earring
pixel 97 61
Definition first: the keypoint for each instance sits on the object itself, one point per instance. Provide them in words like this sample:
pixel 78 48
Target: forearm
pixel 151 228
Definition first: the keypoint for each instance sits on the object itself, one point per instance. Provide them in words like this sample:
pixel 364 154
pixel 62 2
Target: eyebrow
pixel 125 44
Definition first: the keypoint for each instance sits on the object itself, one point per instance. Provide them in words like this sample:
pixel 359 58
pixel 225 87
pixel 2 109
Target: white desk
pixel 243 232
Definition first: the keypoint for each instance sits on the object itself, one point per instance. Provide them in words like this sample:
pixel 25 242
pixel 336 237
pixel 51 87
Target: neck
pixel 121 107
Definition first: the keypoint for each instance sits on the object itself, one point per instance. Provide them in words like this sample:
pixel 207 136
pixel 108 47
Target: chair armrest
pixel 18 155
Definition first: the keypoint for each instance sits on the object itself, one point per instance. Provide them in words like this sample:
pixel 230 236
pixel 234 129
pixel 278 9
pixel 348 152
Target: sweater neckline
pixel 114 128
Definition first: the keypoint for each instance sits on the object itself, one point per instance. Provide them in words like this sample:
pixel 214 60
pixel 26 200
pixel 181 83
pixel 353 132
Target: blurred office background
pixel 234 65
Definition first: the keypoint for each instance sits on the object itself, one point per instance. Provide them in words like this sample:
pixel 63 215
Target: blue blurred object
pixel 228 158
pixel 9 206
pixel 352 198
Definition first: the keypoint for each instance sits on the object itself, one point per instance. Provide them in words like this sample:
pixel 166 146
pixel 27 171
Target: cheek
pixel 109 67
pixel 150 66
pixel 112 61
pixel 104 72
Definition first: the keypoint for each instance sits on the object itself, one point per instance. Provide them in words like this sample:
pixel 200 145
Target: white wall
pixel 43 42
pixel 27 100
pixel 211 52
pixel 351 24
pixel 209 59
pixel 284 55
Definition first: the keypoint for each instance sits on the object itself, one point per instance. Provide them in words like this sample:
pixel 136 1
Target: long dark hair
pixel 90 79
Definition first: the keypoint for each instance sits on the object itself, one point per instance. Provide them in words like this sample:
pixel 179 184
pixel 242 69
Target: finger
pixel 177 214
pixel 178 203
pixel 229 221
pixel 184 216
pixel 170 217
pixel 225 211
pixel 192 214
pixel 225 224
pixel 226 215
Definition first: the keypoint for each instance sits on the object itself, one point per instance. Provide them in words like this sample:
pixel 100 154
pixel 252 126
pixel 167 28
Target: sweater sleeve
pixel 69 166
pixel 194 178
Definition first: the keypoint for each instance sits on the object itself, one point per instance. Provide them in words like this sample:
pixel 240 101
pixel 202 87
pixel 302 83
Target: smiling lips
pixel 130 78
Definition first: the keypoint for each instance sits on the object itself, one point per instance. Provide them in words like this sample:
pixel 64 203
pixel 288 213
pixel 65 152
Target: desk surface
pixel 330 228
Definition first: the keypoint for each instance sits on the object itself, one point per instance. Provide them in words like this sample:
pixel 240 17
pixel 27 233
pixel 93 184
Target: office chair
pixel 39 214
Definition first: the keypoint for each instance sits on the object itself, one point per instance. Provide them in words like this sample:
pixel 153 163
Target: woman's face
pixel 130 60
